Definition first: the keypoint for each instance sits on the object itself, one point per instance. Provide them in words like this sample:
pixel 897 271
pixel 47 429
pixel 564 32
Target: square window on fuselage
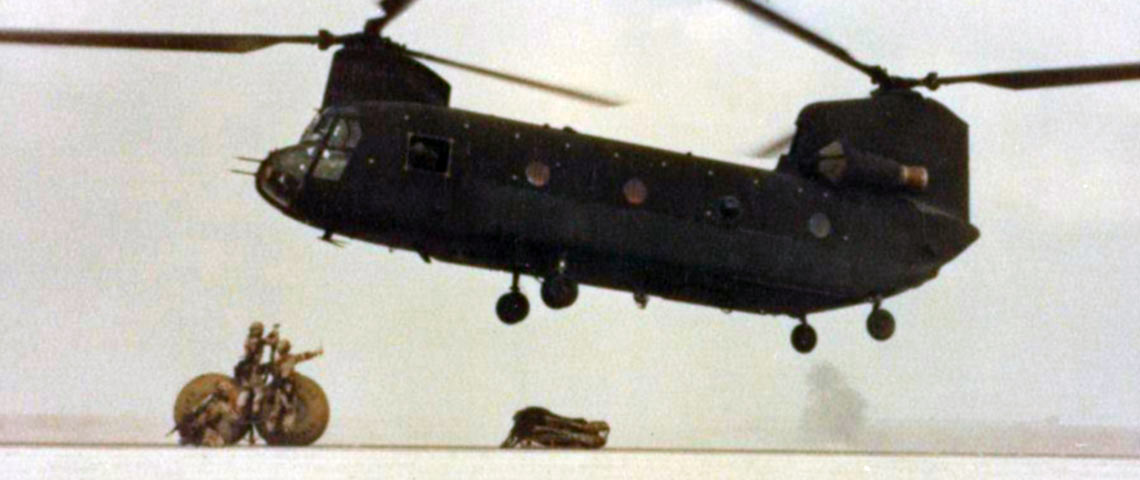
pixel 429 154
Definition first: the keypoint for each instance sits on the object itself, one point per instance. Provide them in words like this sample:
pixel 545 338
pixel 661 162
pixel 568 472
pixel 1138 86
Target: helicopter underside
pixel 643 277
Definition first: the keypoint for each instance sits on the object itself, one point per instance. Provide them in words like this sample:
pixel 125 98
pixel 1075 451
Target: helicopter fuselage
pixel 477 190
pixel 871 199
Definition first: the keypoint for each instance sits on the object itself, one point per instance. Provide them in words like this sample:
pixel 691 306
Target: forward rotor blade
pixel 551 88
pixel 774 147
pixel 787 25
pixel 1057 77
pixel 191 42
pixel 392 9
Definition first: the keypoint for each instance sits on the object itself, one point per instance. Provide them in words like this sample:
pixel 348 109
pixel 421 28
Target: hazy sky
pixel 132 260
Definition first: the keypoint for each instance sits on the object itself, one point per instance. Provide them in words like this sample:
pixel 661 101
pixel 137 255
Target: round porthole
pixel 538 173
pixel 819 225
pixel 729 207
pixel 635 191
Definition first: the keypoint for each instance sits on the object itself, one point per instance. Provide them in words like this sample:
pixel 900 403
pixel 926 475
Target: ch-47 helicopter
pixel 871 199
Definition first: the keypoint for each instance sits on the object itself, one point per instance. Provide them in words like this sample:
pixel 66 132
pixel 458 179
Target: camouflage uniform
pixel 284 366
pixel 250 373
pixel 215 421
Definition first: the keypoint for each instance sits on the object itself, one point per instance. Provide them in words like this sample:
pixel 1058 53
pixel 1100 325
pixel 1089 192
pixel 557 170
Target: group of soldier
pixel 264 393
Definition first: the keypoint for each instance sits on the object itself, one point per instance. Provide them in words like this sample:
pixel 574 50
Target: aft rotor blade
pixel 1057 77
pixel 787 25
pixel 190 42
pixel 547 87
pixel 392 9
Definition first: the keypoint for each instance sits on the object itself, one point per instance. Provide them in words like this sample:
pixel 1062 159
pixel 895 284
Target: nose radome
pixel 276 183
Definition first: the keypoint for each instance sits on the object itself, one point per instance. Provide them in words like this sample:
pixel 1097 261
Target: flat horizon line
pixel 617 450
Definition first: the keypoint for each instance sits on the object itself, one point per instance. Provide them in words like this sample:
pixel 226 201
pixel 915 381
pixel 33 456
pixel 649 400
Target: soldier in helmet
pixel 286 363
pixel 283 368
pixel 214 421
pixel 250 373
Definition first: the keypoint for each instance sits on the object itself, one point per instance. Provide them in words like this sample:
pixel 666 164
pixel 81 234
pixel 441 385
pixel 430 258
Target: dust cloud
pixel 835 413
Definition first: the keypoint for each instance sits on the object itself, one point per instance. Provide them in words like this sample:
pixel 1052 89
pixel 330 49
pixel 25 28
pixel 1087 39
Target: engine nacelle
pixel 842 166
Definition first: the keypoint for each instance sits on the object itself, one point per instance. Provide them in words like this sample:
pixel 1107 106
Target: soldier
pixel 283 368
pixel 252 348
pixel 249 371
pixel 271 340
pixel 286 363
pixel 222 416
pixel 213 422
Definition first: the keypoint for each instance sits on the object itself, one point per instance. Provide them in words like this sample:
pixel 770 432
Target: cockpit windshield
pixel 339 136
pixel 343 133
pixel 317 128
pixel 331 165
pixel 325 147
pixel 322 154
pixel 284 174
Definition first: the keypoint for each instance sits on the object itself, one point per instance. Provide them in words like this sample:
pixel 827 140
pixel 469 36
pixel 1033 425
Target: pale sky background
pixel 132 260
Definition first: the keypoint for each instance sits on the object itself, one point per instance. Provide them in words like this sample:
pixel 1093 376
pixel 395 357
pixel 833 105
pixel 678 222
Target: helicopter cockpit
pixel 321 155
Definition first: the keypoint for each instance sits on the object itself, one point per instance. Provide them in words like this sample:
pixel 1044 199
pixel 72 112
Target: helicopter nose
pixel 281 175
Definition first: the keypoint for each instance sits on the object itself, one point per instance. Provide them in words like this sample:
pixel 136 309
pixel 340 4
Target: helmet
pixel 223 388
pixel 256 328
pixel 283 346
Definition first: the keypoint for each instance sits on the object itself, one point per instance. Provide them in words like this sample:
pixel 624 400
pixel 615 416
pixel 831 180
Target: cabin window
pixel 635 191
pixel 819 225
pixel 538 173
pixel 729 207
pixel 429 154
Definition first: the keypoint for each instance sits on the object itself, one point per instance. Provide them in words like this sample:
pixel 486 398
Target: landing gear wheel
pixel 803 338
pixel 191 397
pixel 513 307
pixel 559 291
pixel 880 324
pixel 311 417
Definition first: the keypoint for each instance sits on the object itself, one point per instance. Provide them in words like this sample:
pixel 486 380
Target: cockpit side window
pixel 311 128
pixel 343 134
pixel 318 128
